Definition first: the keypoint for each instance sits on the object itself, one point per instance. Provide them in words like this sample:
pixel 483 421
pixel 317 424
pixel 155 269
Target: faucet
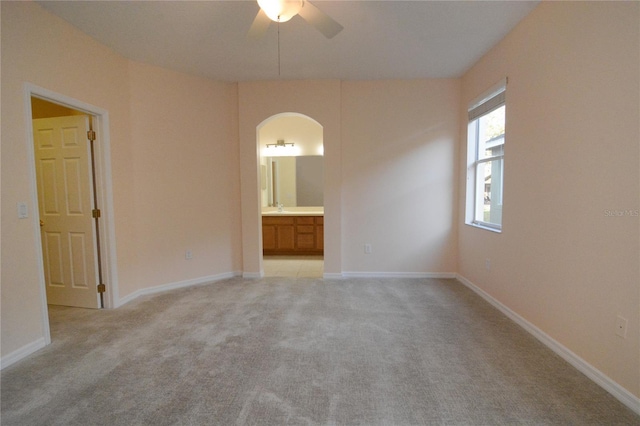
pixel 280 206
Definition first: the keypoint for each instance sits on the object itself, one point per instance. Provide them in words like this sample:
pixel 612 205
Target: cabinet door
pixel 305 242
pixel 269 237
pixel 305 233
pixel 285 235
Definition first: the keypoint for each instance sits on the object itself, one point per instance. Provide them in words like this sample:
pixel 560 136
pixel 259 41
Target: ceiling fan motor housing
pixel 281 10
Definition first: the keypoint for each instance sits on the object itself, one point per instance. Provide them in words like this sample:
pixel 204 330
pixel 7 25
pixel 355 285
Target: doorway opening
pixel 66 205
pixel 291 161
pixel 71 194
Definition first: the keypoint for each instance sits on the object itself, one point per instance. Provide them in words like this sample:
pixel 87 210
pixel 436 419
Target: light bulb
pixel 281 10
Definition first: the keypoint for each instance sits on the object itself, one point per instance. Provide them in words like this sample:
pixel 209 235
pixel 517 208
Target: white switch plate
pixel 23 211
pixel 188 255
pixel 367 248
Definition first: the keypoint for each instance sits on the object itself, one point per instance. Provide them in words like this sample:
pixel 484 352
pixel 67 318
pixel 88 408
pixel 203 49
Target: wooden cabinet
pixel 278 233
pixel 293 234
pixel 320 233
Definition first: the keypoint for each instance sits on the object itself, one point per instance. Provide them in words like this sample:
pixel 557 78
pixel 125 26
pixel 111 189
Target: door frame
pixel 104 193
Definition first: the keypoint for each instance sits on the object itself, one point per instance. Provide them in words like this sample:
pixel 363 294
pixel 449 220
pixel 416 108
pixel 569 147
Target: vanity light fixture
pixel 279 143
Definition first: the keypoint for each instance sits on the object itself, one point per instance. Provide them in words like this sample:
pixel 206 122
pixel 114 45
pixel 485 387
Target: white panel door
pixel 65 205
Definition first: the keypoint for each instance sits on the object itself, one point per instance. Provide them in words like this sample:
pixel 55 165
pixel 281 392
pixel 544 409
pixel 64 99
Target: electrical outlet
pixel 621 327
pixel 367 249
pixel 188 255
pixel 487 264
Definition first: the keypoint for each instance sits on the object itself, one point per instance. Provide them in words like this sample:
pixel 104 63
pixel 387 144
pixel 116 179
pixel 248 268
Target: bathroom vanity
pixel 293 233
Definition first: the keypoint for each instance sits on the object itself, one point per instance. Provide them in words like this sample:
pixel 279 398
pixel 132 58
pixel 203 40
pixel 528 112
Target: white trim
pixel 105 197
pixel 399 274
pixel 35 220
pixel 332 276
pixel 252 275
pixel 601 379
pixel 176 285
pixel 485 226
pixel 23 352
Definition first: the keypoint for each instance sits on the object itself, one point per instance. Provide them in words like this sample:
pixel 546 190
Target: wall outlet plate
pixel 621 326
pixel 188 255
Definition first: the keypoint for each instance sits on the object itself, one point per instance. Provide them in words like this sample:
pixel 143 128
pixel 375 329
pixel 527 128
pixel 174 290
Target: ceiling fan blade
pixel 259 27
pixel 320 20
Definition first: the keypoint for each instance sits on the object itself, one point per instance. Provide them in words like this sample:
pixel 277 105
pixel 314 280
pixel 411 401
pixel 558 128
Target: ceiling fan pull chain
pixel 278 49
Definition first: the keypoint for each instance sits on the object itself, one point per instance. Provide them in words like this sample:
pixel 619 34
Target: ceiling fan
pixel 283 10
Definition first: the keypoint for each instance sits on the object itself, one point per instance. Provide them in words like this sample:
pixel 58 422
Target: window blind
pixel 487 106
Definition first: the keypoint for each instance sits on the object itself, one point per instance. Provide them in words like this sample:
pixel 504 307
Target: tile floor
pixel 293 266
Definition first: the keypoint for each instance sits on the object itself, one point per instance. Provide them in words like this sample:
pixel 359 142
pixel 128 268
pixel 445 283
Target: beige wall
pixel 399 175
pixel 174 159
pixel 571 155
pixel 185 156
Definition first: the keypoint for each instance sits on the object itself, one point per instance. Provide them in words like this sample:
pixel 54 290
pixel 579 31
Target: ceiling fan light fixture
pixel 281 10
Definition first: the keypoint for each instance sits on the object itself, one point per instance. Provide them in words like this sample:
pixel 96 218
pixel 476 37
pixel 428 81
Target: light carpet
pixel 286 351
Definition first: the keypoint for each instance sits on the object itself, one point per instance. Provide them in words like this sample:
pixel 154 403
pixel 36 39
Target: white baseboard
pixel 175 285
pixel 399 275
pixel 332 275
pixel 21 353
pixel 601 379
pixel 252 275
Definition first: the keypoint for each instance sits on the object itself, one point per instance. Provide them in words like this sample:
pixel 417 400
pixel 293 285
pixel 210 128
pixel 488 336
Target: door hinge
pixel 95 213
pixel 102 288
pixel 91 135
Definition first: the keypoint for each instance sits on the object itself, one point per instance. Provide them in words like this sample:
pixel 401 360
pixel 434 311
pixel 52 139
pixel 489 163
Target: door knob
pixel 41 222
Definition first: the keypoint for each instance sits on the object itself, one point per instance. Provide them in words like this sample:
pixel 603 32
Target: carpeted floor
pixel 303 351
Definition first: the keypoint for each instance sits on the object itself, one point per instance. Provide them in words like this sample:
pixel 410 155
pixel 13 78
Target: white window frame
pixel 487 102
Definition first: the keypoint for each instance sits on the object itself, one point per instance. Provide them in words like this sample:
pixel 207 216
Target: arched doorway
pixel 291 175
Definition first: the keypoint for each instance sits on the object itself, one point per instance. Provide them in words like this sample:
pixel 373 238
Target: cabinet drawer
pixel 305 229
pixel 280 220
pixel 304 220
pixel 320 220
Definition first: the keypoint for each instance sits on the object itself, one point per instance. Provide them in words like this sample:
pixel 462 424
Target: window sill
pixel 488 228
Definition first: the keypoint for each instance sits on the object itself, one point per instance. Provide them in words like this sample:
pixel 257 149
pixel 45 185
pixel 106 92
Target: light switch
pixel 23 211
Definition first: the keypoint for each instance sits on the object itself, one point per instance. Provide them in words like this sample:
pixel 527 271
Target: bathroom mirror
pixel 293 181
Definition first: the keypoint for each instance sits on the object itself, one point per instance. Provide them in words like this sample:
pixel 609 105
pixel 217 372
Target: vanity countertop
pixel 293 211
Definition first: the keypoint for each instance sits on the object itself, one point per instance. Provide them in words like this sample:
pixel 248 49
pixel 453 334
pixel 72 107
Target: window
pixel 485 159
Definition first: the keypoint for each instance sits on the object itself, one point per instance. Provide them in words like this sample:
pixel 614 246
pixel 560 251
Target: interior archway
pixel 291 186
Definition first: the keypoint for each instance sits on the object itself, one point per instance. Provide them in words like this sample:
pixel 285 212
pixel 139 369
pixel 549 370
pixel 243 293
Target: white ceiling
pixel 380 40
